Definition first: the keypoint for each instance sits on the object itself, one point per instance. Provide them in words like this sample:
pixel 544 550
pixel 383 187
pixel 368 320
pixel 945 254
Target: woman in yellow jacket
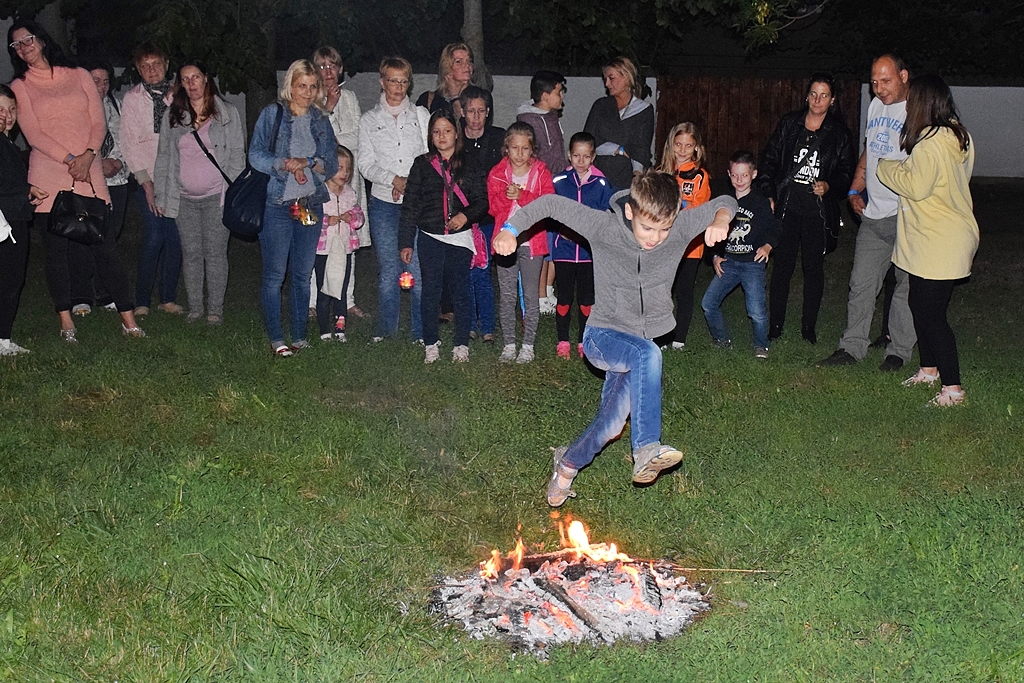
pixel 937 235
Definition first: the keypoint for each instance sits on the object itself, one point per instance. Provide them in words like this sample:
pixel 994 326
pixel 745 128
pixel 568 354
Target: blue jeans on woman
pixel 751 276
pixel 481 291
pixel 286 242
pixel 632 386
pixel 384 218
pixel 159 238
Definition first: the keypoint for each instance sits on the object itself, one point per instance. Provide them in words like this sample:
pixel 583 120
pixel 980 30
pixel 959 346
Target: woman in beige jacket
pixel 937 234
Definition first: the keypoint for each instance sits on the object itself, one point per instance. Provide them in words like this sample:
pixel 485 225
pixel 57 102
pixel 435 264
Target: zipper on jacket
pixel 640 282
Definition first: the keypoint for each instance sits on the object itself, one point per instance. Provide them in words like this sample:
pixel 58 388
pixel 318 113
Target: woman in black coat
pixel 806 169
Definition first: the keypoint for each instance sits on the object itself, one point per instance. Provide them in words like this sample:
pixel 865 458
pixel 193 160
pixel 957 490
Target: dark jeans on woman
pixel 160 249
pixel 13 261
pixel 83 267
pixel 803 235
pixel 441 263
pixel 109 271
pixel 329 309
pixel 686 281
pixel 929 300
pixel 573 279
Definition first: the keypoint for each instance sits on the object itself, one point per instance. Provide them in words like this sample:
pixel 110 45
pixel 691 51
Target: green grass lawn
pixel 187 507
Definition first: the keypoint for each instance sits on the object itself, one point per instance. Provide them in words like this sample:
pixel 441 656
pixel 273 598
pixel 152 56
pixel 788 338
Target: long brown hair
pixel 930 106
pixel 455 163
pixel 182 104
pixel 668 155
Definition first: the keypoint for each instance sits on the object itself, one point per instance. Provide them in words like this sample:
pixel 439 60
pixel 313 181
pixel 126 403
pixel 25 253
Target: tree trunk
pixel 258 95
pixel 50 19
pixel 473 34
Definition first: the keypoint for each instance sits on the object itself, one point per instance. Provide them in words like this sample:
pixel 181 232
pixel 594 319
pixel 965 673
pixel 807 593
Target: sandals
pixel 69 336
pixel 281 350
pixel 947 398
pixel 921 377
pixel 136 331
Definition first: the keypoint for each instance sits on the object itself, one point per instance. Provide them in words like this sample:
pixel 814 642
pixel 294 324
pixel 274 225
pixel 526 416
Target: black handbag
pixel 247 194
pixel 78 218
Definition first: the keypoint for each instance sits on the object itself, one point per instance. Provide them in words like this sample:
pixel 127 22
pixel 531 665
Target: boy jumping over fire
pixel 636 248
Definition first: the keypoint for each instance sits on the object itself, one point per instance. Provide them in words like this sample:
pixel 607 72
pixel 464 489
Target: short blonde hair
pixel 301 67
pixel 655 195
pixel 397 63
pixel 625 66
pixel 668 155
pixel 448 61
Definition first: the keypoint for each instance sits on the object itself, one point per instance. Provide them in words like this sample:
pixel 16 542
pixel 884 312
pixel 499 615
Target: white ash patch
pixel 571 602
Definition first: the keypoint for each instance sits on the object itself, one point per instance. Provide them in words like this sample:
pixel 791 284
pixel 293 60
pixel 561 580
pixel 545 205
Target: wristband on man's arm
pixel 511 228
pixel 853 192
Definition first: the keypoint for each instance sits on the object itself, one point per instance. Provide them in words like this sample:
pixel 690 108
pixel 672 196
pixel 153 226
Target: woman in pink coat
pixel 62 118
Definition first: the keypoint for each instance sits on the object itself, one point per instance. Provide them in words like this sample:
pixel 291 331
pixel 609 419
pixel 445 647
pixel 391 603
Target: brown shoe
pixel 357 312
pixel 141 311
pixel 171 308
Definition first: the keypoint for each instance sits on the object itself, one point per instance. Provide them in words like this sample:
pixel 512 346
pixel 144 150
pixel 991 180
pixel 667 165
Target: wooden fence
pixel 737 113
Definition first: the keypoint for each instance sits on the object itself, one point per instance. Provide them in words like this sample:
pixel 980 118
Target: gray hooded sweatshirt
pixel 548 131
pixel 632 285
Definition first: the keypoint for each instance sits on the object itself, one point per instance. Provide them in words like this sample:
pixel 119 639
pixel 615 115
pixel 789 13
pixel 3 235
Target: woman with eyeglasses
pixel 190 185
pixel 391 136
pixel 806 169
pixel 343 108
pixel 62 118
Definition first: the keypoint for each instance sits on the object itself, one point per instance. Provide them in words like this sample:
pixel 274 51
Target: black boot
pixel 809 335
pixel 774 332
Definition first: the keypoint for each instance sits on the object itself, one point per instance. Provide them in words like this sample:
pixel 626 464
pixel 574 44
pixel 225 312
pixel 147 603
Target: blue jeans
pixel 384 234
pixel 749 275
pixel 283 242
pixel 632 386
pixel 444 264
pixel 159 234
pixel 481 291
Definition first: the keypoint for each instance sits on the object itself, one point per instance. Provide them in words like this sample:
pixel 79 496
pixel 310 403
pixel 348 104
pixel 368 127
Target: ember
pixel 583 593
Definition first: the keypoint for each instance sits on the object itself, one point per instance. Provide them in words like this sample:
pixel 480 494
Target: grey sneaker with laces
pixel 557 495
pixel 460 354
pixel 433 352
pixel 650 460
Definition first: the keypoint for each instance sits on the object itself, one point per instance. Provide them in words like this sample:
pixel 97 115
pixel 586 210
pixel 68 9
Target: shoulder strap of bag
pixel 195 134
pixel 277 128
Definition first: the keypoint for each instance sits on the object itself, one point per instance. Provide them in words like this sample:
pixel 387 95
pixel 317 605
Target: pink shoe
pixel 563 349
pixel 579 350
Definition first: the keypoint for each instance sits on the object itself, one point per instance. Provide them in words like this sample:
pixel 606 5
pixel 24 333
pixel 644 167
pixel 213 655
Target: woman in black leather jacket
pixel 806 169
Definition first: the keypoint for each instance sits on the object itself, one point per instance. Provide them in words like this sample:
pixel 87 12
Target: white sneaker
pixel 9 348
pixel 525 354
pixel 460 354
pixel 547 305
pixel 81 309
pixel 433 353
pixel 508 354
pixel 340 337
pixel 111 307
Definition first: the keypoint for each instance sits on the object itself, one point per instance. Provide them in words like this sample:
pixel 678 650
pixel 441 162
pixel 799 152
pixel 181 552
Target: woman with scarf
pixel 141 113
pixel 445 196
pixel 61 115
pixel 391 136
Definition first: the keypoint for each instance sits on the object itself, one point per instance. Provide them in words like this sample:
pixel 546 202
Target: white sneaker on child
pixel 460 354
pixel 433 352
pixel 525 354
pixel 508 353
pixel 547 305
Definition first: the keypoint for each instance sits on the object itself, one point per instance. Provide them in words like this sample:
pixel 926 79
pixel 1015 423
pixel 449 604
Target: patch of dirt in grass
pixel 90 400
pixel 381 398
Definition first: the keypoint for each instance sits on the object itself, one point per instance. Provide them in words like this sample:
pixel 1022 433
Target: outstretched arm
pixel 584 220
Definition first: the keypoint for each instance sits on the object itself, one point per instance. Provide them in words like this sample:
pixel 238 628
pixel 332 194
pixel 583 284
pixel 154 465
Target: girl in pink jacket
pixel 515 181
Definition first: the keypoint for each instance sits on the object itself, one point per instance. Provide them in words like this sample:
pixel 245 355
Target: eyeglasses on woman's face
pixel 27 41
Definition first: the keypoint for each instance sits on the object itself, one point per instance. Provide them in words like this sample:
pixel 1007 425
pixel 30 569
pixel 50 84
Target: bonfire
pixel 583 593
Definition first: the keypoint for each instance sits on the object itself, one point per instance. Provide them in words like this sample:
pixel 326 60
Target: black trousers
pixel 936 343
pixel 108 269
pixel 573 279
pixel 83 266
pixel 803 236
pixel 13 261
pixel 686 281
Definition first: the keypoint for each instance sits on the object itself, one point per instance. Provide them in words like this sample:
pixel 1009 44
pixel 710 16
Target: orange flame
pixel 517 554
pixel 492 567
pixel 578 541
